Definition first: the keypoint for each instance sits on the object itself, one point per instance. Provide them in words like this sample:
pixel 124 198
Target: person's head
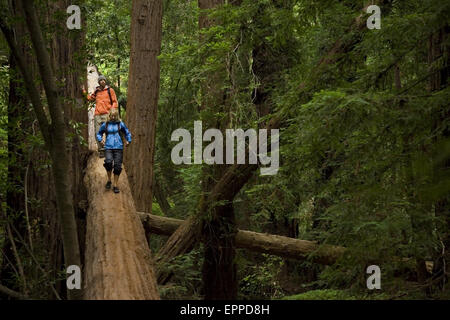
pixel 114 114
pixel 101 81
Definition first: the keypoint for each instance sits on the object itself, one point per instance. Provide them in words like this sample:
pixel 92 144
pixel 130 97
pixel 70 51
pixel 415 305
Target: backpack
pixel 120 132
pixel 110 98
pixel 109 94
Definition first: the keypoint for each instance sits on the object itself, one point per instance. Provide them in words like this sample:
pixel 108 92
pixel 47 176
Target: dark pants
pixel 113 159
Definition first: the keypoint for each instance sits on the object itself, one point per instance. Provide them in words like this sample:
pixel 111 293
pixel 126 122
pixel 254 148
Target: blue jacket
pixel 113 139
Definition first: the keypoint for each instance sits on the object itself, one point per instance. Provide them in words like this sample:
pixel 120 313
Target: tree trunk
pixel 92 76
pixel 142 99
pixel 281 246
pixel 118 260
pixel 72 73
pixel 160 197
pixel 438 47
pixel 218 226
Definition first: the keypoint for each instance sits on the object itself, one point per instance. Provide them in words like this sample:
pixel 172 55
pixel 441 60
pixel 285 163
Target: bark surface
pixel 142 99
pixel 118 262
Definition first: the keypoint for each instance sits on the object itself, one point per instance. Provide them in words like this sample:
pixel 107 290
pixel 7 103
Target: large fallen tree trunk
pixel 118 262
pixel 259 242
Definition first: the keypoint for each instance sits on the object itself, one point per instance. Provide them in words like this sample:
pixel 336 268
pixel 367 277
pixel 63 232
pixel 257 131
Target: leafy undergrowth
pixel 331 294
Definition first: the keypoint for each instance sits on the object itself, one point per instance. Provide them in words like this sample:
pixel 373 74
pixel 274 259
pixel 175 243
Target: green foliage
pixel 108 40
pixel 332 294
pixel 260 281
pixel 326 294
pixel 186 280
pixel 4 79
pixel 361 159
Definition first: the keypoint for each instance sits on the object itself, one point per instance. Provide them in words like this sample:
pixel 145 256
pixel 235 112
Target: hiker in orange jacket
pixel 105 99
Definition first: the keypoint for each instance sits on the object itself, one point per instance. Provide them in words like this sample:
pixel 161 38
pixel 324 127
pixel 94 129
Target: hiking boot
pixel 116 190
pixel 108 185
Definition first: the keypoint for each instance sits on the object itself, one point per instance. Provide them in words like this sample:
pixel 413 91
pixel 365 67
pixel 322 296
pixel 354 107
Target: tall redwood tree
pixel 142 100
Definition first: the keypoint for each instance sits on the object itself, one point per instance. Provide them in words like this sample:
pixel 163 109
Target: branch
pixel 9 262
pixel 23 242
pixel 16 255
pixel 425 77
pixel 13 293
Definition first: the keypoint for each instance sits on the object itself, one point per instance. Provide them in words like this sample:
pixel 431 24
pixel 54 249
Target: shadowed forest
pixel 363 177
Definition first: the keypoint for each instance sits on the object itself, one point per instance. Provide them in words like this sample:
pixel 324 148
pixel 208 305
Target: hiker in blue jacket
pixel 113 144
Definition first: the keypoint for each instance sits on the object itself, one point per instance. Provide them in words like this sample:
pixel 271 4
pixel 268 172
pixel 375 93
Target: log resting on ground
pixel 259 242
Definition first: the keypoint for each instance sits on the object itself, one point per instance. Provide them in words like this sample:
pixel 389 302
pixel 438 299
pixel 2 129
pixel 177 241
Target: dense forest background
pixel 364 125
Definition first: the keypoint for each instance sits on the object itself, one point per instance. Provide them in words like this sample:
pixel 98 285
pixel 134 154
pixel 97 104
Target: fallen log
pixel 118 262
pixel 259 242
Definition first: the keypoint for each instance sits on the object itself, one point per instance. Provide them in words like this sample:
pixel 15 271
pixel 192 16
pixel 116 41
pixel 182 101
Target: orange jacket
pixel 102 101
